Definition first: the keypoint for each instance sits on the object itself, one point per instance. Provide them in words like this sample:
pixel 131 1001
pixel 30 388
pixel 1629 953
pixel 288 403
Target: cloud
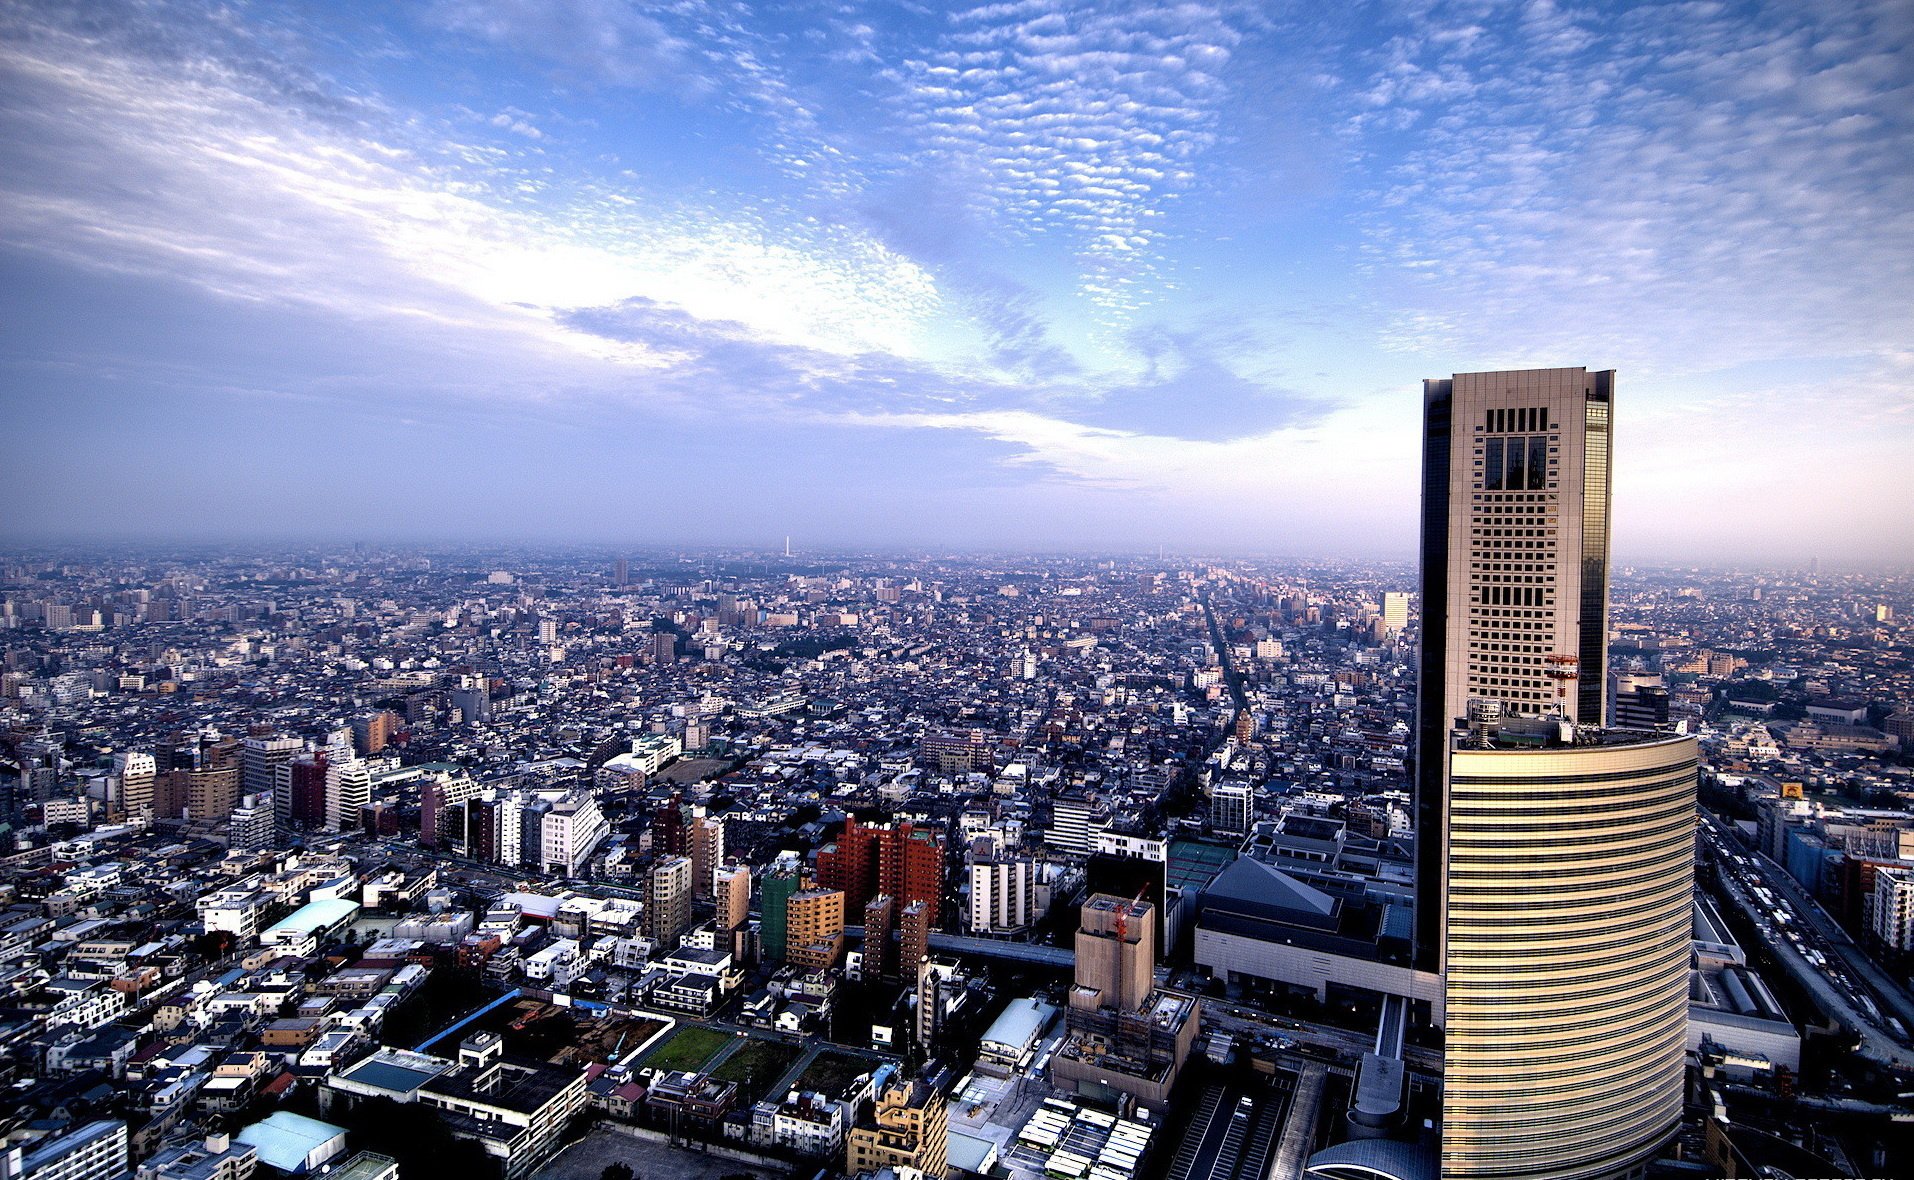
pixel 593 41
pixel 1662 187
pixel 1079 123
pixel 393 218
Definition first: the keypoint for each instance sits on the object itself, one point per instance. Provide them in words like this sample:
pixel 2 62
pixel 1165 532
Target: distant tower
pixel 1395 611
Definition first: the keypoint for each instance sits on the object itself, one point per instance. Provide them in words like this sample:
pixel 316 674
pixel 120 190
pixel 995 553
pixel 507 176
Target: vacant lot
pixel 829 1073
pixel 689 1048
pixel 756 1065
pixel 693 770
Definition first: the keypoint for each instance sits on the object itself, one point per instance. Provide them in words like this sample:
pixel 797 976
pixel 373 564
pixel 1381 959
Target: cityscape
pixel 596 590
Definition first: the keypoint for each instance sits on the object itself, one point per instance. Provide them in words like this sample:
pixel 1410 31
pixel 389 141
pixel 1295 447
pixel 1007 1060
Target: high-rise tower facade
pixel 1514 571
pixel 1554 858
pixel 1569 874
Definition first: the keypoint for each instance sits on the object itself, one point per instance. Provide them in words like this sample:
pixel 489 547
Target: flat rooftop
pixel 397 1070
pixel 1526 733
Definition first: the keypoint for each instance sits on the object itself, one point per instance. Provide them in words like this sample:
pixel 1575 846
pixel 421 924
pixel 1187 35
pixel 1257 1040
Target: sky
pixel 1011 275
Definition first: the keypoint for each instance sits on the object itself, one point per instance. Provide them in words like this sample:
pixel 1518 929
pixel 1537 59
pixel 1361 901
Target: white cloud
pixel 1085 124
pixel 258 201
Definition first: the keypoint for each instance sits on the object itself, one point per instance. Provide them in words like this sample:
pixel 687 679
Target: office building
pixel 903 860
pixel 1515 502
pixel 250 827
pixel 732 891
pixel 914 924
pixel 880 925
pixel 216 1157
pixel 567 833
pixel 1072 821
pixel 1395 611
pixel 1126 1036
pixel 1637 701
pixel 908 1128
pixel 1554 859
pixel 1566 948
pixel 348 783
pixel 299 792
pixel 137 774
pixel 374 732
pixel 668 901
pixel 779 884
pixel 93 1151
pixel 1891 907
pixel 260 757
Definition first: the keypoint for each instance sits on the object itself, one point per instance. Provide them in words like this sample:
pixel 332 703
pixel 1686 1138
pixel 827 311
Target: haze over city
pixel 1028 274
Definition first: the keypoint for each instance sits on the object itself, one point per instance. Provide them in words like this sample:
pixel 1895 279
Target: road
pixel 1244 1020
pixel 1886 991
pixel 1737 880
pixel 1231 678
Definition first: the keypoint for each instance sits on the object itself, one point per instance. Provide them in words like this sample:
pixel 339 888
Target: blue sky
pixel 1028 274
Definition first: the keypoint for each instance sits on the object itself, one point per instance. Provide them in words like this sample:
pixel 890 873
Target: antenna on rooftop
pixel 1564 670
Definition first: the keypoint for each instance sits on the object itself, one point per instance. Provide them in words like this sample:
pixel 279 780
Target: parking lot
pixel 588 1158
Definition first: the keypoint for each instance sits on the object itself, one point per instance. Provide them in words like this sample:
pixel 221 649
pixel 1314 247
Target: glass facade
pixel 1593 650
pixel 1566 983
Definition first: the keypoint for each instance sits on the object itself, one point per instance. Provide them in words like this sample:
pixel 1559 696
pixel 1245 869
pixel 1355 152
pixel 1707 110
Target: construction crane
pixel 1123 914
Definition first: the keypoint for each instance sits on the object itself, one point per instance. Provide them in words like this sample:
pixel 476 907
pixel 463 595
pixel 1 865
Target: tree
pixel 616 1170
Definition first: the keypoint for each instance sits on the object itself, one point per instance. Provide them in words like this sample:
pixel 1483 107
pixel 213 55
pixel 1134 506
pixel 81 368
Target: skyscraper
pixel 1514 570
pixel 1554 858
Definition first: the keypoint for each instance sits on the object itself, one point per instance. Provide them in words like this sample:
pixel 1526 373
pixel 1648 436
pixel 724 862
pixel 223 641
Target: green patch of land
pixel 689 1048
pixel 756 1065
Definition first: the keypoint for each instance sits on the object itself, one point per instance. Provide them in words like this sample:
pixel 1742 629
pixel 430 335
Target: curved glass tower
pixel 1569 874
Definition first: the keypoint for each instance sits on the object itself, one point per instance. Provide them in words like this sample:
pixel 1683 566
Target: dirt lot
pixel 564 1036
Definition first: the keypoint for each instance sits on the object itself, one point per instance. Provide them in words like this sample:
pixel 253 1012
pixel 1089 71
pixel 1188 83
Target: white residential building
pixel 1003 896
pixel 1892 910
pixel 569 833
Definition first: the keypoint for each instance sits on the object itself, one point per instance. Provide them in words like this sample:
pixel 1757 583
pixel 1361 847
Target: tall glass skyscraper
pixel 1554 859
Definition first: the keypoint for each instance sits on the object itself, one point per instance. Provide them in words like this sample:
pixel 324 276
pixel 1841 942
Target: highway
pixel 1886 991
pixel 1741 874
